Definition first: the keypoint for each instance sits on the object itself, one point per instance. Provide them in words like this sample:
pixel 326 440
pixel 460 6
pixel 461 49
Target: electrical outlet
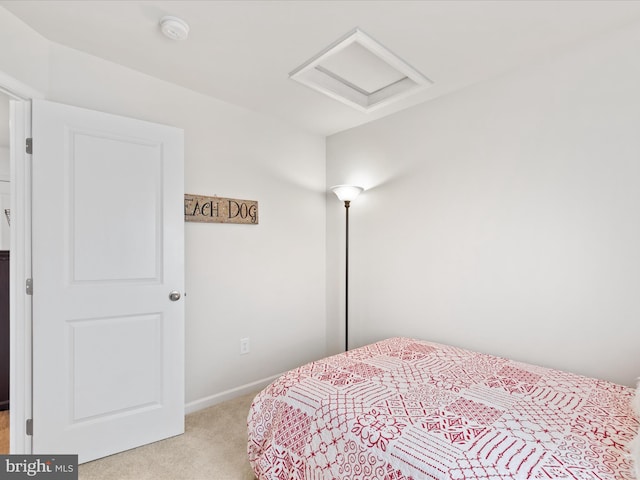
pixel 244 346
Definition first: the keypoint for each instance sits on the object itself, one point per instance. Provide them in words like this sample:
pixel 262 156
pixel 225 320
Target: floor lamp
pixel 346 194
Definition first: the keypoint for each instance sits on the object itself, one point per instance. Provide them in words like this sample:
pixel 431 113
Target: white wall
pixel 266 282
pixel 504 218
pixel 5 170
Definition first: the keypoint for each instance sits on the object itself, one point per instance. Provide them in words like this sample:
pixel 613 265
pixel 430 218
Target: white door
pixel 108 248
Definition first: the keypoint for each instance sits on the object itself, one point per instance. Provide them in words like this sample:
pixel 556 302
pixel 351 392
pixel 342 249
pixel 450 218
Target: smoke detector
pixel 174 28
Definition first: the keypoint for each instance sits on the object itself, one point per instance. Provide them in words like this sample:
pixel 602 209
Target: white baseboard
pixel 228 394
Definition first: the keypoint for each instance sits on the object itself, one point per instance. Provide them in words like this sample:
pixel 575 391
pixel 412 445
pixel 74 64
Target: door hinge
pixel 29 145
pixel 30 426
pixel 29 286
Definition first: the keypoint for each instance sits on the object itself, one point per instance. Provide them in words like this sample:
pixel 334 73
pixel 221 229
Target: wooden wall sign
pixel 198 208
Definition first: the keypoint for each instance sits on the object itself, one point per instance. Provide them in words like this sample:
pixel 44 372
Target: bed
pixel 407 409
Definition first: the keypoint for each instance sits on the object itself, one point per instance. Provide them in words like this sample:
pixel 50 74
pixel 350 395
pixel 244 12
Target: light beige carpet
pixel 214 447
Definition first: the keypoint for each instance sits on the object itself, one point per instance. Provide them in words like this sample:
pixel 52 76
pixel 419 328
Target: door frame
pixel 20 393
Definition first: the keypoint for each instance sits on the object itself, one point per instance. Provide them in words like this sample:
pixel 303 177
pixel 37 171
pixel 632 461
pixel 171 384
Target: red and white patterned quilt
pixel 404 409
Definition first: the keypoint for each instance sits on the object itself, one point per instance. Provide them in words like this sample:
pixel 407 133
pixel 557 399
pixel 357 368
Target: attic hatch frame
pixel 314 75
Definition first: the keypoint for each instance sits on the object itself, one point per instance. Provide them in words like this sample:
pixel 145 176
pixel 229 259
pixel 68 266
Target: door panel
pixel 102 249
pixel 108 248
pixel 97 386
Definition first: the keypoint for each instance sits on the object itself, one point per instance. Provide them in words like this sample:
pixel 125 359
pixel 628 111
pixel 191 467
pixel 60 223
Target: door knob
pixel 174 295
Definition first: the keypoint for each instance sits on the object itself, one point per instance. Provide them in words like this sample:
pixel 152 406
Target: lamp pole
pixel 346 193
pixel 346 277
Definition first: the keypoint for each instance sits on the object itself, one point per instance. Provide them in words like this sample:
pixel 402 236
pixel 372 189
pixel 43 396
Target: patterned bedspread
pixel 405 409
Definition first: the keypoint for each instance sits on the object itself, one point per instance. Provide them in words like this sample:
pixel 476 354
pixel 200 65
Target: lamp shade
pixel 346 193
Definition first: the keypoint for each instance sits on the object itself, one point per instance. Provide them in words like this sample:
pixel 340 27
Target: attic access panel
pixel 360 72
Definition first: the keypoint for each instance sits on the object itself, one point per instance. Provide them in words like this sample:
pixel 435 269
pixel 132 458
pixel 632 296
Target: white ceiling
pixel 242 51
